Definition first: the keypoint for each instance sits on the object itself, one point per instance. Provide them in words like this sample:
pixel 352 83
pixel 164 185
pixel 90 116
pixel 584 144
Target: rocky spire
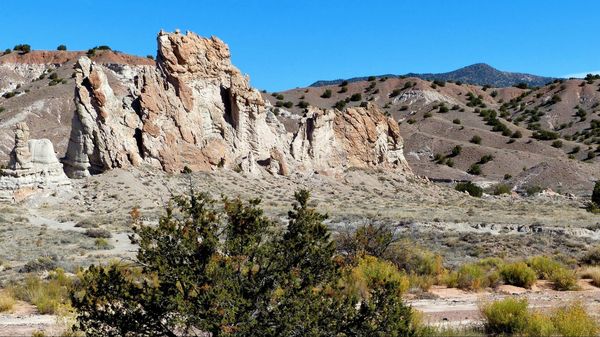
pixel 196 109
pixel 20 157
pixel 33 166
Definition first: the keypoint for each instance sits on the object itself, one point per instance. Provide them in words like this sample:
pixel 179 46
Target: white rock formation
pixel 196 109
pixel 33 166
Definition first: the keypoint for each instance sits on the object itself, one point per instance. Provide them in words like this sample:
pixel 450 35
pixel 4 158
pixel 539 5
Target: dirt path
pixel 24 320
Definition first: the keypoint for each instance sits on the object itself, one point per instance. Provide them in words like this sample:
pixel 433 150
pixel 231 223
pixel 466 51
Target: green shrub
pixel 356 97
pixel 102 244
pixel 456 150
pixel 395 92
pixel 438 158
pixel 555 99
pixel 544 266
pixel 592 257
pixel 475 139
pixel 40 264
pixel 61 47
pixel 415 260
pixel 521 85
pixel 501 189
pixel 302 104
pixel 456 121
pixel 98 233
pixel 288 104
pixel 23 48
pixel 507 316
pixel 539 325
pixel 47 295
pixel 471 277
pixel 518 274
pixel 485 159
pixel 475 169
pixel 564 279
pixel 596 193
pixel 340 105
pixel 545 135
pixel 557 144
pixel 573 321
pixel 427 115
pixel 591 155
pixel 469 187
pixel 533 190
pixel 517 134
pixel 326 93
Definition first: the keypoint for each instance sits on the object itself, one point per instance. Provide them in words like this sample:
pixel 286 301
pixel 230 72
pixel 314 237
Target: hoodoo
pixel 33 165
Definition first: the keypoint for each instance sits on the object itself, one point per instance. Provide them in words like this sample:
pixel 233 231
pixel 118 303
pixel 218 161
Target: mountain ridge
pixel 477 73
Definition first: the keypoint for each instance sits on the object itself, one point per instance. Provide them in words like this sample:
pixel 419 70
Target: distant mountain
pixel 479 74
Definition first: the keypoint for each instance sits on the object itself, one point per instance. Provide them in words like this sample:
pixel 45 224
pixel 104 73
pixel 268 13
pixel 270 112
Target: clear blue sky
pixel 285 44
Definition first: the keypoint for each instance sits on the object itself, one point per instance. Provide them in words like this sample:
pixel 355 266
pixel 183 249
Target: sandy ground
pixel 453 307
pixel 24 320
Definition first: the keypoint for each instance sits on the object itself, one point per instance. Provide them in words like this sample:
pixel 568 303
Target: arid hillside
pixel 528 138
pixel 38 87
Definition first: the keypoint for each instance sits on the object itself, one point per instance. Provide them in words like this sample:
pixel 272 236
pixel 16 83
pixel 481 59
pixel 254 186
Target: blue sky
pixel 286 44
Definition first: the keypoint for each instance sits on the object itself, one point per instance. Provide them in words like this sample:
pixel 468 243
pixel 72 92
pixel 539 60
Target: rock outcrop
pixel 196 109
pixel 33 166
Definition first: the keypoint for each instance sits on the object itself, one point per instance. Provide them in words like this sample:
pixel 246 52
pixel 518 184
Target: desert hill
pixel 536 137
pixel 478 73
pixel 529 138
pixel 38 87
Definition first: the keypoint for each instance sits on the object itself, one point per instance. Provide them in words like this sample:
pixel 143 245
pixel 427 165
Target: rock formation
pixel 33 165
pixel 20 157
pixel 196 109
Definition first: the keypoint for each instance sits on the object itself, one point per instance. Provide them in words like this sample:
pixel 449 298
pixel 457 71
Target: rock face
pixel 33 165
pixel 196 109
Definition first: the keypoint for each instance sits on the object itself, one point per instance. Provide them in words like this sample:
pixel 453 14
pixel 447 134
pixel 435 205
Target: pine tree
pixel 231 271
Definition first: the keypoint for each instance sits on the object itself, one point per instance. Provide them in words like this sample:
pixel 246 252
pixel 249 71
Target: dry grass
pixel 7 301
pixel 49 296
pixel 592 273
